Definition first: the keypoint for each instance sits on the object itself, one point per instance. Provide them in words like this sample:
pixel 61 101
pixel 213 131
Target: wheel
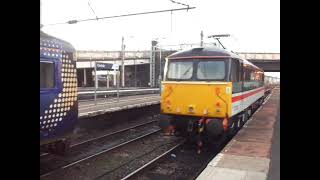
pixel 242 120
pixel 248 113
pixel 233 127
pixel 164 121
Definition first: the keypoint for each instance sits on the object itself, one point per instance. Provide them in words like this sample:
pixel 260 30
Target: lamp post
pixel 122 62
pixel 123 46
pixel 96 82
pixel 160 62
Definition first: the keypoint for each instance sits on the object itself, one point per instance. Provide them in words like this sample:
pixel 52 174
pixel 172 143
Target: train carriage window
pixel 248 81
pixel 47 75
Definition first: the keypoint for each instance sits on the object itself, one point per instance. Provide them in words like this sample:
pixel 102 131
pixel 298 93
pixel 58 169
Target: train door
pixel 241 80
pixel 236 84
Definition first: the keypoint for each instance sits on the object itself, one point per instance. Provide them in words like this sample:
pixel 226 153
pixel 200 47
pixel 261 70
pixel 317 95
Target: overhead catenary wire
pixel 92 9
pixel 123 15
pixel 179 3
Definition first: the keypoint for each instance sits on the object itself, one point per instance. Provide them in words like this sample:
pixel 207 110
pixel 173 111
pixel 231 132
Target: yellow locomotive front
pixel 200 99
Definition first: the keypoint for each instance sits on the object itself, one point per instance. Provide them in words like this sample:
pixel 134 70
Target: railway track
pixel 115 162
pixel 93 147
pixel 107 134
pixel 142 165
pixel 185 164
pixel 152 161
pixel 181 162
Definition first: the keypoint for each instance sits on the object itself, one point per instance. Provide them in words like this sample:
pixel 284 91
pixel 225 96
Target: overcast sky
pixel 254 25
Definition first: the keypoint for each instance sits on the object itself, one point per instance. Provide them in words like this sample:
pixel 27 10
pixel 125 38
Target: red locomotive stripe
pixel 243 96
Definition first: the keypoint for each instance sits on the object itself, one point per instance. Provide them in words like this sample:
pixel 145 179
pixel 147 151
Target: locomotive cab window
pixel 47 75
pixel 197 70
pixel 180 70
pixel 211 70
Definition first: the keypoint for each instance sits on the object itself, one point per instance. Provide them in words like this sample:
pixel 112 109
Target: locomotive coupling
pixel 201 125
pixel 165 123
pixel 200 130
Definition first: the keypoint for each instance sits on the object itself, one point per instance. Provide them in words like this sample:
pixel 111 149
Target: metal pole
pixel 108 80
pixel 115 78
pixel 135 72
pixel 122 62
pixel 96 82
pixel 150 78
pixel 85 77
pixel 117 74
pixel 107 84
pixel 160 72
pixel 201 42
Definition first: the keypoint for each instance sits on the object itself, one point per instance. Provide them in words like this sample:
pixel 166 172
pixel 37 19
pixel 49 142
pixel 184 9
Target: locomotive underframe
pixel 196 127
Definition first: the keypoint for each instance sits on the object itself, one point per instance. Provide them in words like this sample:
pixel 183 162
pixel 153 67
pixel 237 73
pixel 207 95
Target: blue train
pixel 58 93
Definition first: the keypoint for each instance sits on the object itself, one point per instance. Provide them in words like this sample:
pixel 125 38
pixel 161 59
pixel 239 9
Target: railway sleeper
pixel 59 148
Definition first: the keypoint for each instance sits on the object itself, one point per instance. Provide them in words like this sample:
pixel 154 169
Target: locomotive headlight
pixel 218 90
pixel 218 104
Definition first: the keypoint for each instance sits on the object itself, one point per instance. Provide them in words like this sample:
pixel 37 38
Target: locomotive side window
pixel 235 76
pixel 253 78
pixel 213 70
pixel 46 75
pixel 248 81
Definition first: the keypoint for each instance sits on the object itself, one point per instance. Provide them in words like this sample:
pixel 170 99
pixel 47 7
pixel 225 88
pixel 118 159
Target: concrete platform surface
pixel 88 108
pixel 248 155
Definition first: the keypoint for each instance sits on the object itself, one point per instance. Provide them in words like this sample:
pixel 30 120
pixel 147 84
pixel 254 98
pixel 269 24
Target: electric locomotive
pixel 209 92
pixel 58 93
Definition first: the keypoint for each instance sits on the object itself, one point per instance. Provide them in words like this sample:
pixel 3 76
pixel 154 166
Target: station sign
pixel 106 66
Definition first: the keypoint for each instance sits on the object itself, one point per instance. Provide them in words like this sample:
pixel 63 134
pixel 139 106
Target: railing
pixel 86 55
pixel 114 91
pixel 257 56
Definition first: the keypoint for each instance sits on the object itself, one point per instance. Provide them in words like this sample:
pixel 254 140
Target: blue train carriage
pixel 58 93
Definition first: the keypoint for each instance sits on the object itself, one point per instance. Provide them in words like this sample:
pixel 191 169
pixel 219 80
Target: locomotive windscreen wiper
pixel 187 71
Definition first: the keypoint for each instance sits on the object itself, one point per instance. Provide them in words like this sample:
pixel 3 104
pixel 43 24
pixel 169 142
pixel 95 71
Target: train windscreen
pixel 180 70
pixel 212 70
pixel 197 70
pixel 46 75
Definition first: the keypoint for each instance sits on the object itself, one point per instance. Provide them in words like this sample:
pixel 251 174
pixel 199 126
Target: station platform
pixel 89 108
pixel 254 153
